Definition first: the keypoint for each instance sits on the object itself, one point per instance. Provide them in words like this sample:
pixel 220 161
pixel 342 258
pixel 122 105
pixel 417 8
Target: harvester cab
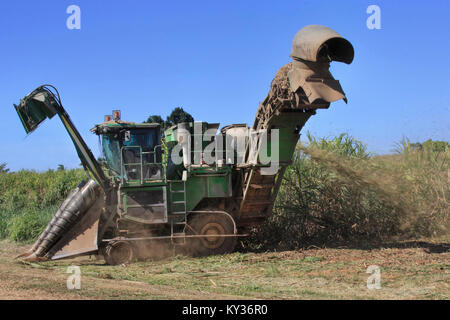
pixel 187 187
pixel 132 152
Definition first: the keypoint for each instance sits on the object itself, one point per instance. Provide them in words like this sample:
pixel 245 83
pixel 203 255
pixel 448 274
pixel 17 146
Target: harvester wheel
pixel 119 252
pixel 211 225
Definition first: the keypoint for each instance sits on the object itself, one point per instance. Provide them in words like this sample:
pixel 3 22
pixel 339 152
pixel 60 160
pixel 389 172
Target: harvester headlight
pixel 116 115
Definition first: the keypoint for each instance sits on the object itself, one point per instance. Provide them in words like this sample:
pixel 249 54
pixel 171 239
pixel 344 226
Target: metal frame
pixel 174 237
pixel 163 204
pixel 184 236
pixel 141 163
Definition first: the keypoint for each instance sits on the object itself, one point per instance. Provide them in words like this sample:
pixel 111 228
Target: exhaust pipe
pixel 68 214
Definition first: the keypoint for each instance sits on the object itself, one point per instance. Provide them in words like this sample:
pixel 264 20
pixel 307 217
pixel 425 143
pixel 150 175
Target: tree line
pixel 178 115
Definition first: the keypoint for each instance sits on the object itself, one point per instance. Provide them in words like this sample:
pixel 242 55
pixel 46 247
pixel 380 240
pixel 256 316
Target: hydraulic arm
pixel 43 103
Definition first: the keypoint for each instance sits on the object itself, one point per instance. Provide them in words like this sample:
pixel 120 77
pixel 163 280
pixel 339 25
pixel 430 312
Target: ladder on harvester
pixel 259 193
pixel 178 210
pixel 258 190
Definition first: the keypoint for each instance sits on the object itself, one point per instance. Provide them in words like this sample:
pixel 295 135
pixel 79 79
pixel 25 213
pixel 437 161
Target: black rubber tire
pixel 210 223
pixel 119 252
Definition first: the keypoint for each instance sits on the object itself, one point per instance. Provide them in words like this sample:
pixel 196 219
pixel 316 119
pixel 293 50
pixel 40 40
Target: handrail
pixel 122 164
pixel 141 163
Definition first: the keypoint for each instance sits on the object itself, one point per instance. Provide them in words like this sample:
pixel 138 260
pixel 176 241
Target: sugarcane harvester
pixel 142 194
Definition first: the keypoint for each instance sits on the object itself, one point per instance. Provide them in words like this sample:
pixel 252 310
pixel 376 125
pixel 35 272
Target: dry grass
pixel 337 193
pixel 409 270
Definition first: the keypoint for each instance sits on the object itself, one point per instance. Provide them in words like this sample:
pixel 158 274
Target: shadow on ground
pixel 427 246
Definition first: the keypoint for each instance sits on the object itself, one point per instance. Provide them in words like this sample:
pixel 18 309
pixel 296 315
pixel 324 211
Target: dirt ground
pixel 408 270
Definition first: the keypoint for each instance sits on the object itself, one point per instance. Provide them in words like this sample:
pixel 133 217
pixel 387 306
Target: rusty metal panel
pixel 82 238
pixel 85 242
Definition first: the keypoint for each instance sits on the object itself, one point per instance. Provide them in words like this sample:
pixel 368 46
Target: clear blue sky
pixel 216 59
